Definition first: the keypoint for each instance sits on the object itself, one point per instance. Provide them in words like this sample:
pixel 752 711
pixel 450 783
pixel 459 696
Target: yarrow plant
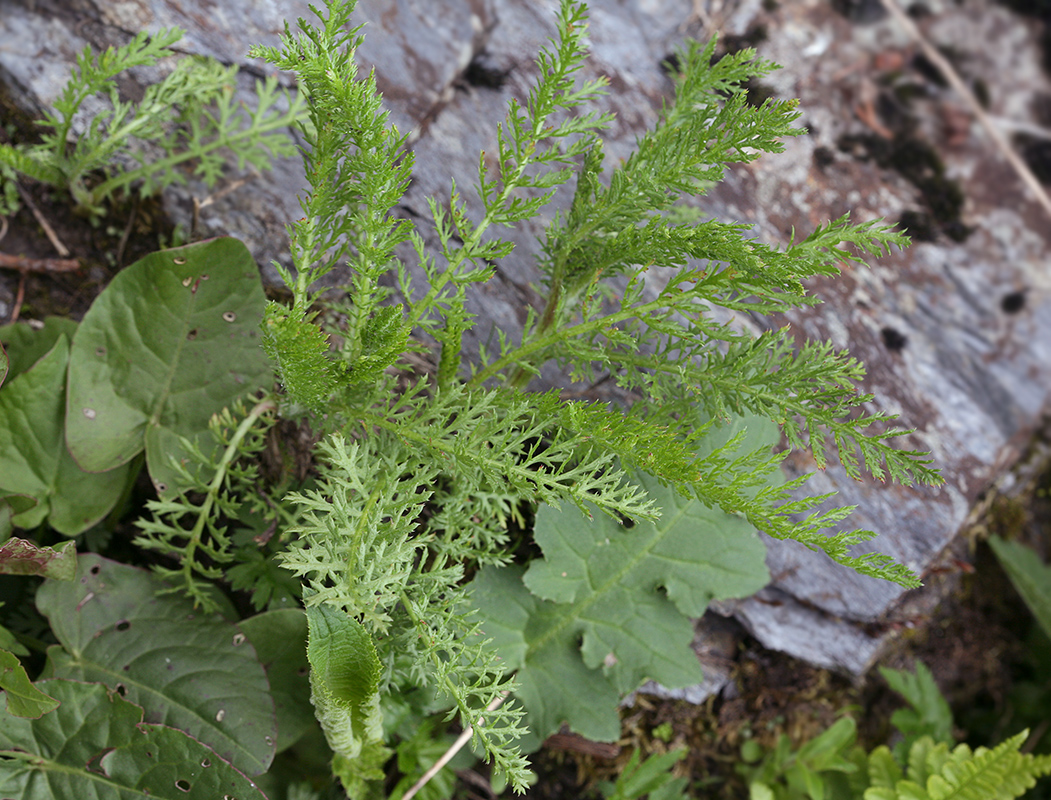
pixel 407 547
pixel 419 483
pixel 190 119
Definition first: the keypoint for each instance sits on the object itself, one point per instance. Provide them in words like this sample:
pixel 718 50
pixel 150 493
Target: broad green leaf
pixel 193 671
pixel 26 345
pixel 33 456
pixel 171 341
pixel 554 683
pixel 21 557
pixel 344 681
pixel 8 641
pixel 760 791
pixel 1029 575
pixel 95 745
pixel 626 595
pixel 280 641
pixel 23 698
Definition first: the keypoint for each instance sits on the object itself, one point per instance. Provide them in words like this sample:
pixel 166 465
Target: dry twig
pixel 954 79
pixel 60 248
pixel 453 750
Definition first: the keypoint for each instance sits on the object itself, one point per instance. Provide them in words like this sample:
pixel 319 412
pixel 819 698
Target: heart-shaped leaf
pixel 26 345
pixel 96 745
pixel 172 340
pixel 34 461
pixel 193 671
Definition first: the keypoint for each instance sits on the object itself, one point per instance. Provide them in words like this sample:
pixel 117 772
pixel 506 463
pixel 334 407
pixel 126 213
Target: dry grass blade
pixel 953 77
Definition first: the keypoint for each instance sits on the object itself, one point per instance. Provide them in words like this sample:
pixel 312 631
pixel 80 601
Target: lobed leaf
pixel 613 599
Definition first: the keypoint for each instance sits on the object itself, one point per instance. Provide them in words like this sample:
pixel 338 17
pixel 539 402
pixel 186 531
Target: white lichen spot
pixel 89 413
pixel 229 316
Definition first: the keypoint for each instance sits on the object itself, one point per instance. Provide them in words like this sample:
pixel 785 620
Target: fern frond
pixel 937 773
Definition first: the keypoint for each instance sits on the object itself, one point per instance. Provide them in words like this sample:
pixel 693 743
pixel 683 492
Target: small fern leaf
pixel 1002 773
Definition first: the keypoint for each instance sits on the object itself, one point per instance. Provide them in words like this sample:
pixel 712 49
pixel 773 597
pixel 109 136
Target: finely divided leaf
pixel 172 340
pixel 193 671
pixel 96 745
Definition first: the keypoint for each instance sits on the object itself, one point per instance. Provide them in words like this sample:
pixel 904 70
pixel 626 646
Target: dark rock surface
pixel 956 331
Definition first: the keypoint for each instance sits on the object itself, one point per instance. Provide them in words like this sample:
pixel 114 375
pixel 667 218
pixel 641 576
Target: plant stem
pixel 217 484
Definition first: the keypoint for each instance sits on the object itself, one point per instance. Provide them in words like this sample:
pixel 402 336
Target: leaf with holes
pixel 96 745
pixel 619 600
pixel 172 340
pixel 34 461
pixel 193 671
